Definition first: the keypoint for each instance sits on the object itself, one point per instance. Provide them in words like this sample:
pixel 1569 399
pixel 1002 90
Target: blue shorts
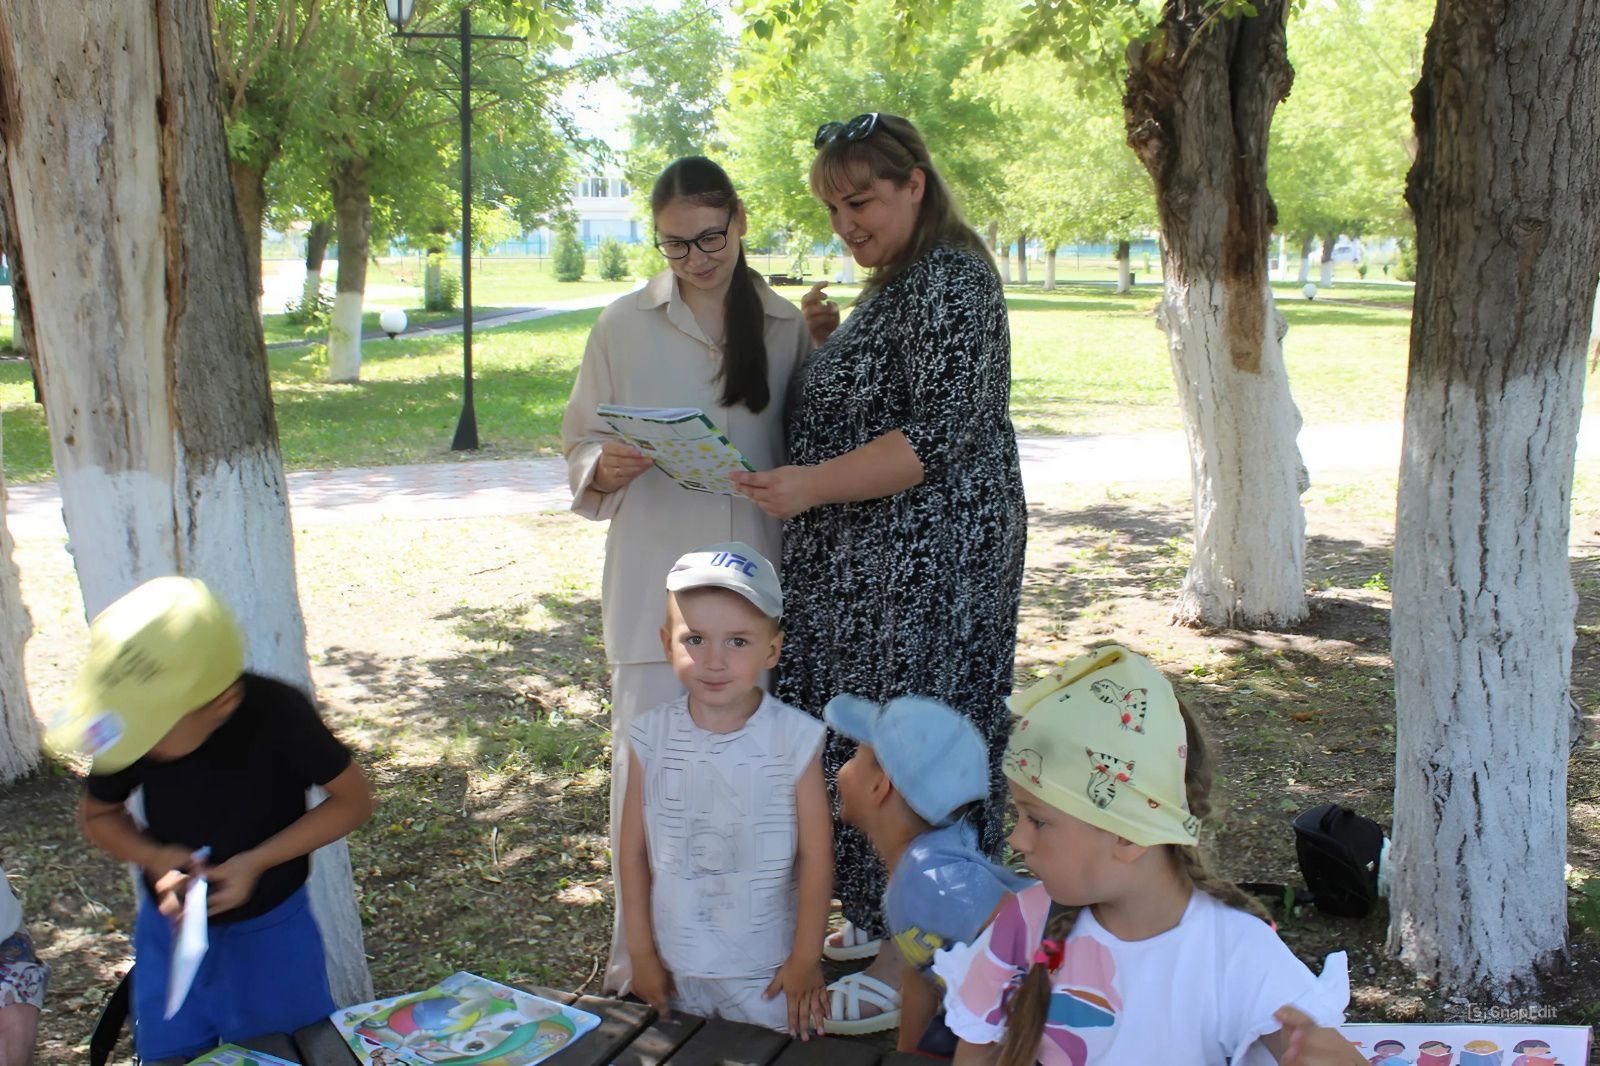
pixel 263 975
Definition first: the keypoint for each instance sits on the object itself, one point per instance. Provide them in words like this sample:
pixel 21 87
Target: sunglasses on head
pixel 857 129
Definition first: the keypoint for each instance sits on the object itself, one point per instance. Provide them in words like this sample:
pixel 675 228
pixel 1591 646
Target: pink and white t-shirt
pixel 1200 994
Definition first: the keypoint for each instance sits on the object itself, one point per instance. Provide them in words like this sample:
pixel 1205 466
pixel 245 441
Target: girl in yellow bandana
pixel 1128 950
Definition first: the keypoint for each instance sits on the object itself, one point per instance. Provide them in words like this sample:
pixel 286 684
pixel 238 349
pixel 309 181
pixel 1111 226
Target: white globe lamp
pixel 392 322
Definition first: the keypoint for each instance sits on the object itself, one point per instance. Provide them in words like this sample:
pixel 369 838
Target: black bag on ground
pixel 1339 851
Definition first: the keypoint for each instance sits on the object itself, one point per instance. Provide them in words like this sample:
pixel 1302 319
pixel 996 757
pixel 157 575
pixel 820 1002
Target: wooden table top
pixel 630 1034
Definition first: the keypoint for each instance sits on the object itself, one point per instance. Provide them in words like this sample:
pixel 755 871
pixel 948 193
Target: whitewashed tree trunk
pixel 847 274
pixel 1328 242
pixel 1022 258
pixel 161 421
pixel 1004 258
pixel 352 205
pixel 1199 103
pixel 19 729
pixel 1124 268
pixel 1508 252
pixel 1305 258
pixel 1050 268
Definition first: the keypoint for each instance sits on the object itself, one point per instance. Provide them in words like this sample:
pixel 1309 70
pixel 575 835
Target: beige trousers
pixel 635 689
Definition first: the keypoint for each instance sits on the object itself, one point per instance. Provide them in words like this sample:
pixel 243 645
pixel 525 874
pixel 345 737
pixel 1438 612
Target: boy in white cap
pixel 726 859
pixel 224 759
pixel 918 766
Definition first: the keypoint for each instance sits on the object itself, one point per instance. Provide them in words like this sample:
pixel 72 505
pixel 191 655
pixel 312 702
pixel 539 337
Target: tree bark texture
pixel 21 299
pixel 1505 190
pixel 250 193
pixel 150 349
pixel 1328 242
pixel 352 208
pixel 1124 267
pixel 1199 101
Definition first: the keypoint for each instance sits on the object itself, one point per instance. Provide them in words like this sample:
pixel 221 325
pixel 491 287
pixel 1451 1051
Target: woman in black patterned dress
pixel 905 521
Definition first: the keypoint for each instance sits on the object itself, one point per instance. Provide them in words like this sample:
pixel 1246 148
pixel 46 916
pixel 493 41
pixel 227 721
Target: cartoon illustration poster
pixel 464 1020
pixel 1424 1044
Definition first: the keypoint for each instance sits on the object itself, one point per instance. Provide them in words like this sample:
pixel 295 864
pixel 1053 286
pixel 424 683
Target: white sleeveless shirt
pixel 719 815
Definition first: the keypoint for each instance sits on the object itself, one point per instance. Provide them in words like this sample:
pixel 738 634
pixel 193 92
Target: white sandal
pixel 848 994
pixel 853 944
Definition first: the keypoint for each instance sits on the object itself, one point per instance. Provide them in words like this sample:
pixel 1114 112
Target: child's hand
pixel 167 868
pixel 232 882
pixel 1308 1044
pixel 800 979
pixel 652 982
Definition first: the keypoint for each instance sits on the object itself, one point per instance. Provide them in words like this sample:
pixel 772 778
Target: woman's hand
pixel 783 492
pixel 821 313
pixel 620 462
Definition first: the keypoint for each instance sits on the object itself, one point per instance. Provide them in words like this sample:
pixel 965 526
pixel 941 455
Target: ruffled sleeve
pixel 1322 998
pixel 979 977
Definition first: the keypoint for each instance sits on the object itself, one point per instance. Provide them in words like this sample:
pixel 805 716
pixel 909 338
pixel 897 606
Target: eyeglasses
pixel 715 241
pixel 857 129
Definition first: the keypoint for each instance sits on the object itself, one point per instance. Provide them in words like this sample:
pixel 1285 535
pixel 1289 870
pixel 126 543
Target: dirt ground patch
pixel 462 661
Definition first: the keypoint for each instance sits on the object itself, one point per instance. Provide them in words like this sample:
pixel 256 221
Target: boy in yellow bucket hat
pixel 224 758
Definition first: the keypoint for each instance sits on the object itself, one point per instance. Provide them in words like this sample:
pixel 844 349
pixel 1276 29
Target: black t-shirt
pixel 245 784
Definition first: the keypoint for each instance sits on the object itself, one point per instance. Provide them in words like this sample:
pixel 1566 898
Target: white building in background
pixel 605 208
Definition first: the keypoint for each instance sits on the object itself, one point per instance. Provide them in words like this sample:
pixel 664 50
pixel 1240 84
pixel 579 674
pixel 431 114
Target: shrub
pixel 1405 268
pixel 613 260
pixel 567 253
pixel 314 315
pixel 443 293
pixel 644 262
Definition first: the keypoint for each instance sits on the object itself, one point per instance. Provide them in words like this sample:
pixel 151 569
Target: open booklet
pixel 462 1019
pixel 685 444
pixel 234 1055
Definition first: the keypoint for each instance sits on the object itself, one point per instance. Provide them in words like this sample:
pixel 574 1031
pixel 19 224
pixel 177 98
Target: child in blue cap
pixel 918 766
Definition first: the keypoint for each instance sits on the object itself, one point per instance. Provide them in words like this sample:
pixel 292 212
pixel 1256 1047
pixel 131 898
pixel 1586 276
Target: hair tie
pixel 1050 953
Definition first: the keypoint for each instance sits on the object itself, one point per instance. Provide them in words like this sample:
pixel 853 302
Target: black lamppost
pixel 400 11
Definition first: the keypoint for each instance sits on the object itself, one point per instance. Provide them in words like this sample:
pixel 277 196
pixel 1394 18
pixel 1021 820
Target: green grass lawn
pixel 1085 361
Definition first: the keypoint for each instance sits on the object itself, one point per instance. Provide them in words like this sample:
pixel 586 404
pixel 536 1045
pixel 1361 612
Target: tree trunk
pixel 19 729
pixel 1022 259
pixel 1199 103
pixel 150 352
pixel 1002 255
pixel 352 207
pixel 1328 241
pixel 1124 268
pixel 1508 250
pixel 250 194
pixel 316 250
pixel 1050 267
pixel 1305 257
pixel 21 301
pixel 432 278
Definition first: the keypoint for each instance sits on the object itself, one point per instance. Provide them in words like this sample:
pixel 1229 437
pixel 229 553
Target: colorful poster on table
pixel 1425 1044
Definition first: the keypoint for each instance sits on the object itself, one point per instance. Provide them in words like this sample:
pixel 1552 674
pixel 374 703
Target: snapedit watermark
pixel 1499 1014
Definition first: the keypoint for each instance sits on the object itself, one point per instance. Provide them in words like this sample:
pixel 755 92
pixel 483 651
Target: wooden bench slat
pixel 828 1051
pixel 660 1041
pixel 278 1044
pixel 724 1043
pixel 321 1045
pixel 620 1022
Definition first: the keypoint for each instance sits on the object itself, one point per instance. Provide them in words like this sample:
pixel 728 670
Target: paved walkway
pixel 482 320
pixel 470 488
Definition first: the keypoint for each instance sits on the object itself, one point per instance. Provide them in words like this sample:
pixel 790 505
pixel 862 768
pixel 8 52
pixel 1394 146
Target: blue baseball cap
pixel 935 758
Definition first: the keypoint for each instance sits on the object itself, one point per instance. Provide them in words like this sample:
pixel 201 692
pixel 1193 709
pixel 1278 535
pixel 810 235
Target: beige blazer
pixel 647 350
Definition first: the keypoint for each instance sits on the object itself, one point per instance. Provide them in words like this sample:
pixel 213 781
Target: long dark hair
pixel 893 151
pixel 744 344
pixel 1025 1016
